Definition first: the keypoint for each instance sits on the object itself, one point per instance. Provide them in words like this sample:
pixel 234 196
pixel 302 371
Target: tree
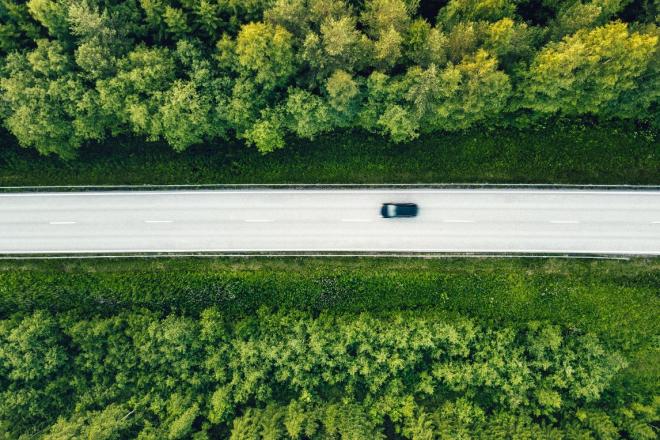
pixel 189 111
pixel 98 40
pixel 640 102
pixel 588 71
pixel 379 92
pixel 148 376
pixel 265 52
pixel 45 102
pixel 34 363
pixel 176 21
pixel 398 123
pixel 245 104
pixel 573 16
pixel 267 132
pixel 388 49
pixel 111 423
pixel 425 45
pixel 511 42
pixel 154 11
pixel 380 16
pixel 300 17
pixel 462 41
pixel 208 16
pixel 192 71
pixel 184 115
pixel 338 46
pixel 136 93
pixel 18 30
pixel 51 14
pixel 458 11
pixel 458 96
pixel 386 21
pixel 307 115
pixel 344 98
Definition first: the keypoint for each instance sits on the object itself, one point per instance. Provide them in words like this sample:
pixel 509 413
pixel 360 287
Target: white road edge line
pixel 62 223
pixel 406 251
pixel 251 255
pixel 458 221
pixel 564 222
pixel 158 221
pixel 652 193
pixel 356 220
pixel 258 220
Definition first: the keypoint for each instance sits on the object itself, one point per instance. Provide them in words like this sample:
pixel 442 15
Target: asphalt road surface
pixel 526 221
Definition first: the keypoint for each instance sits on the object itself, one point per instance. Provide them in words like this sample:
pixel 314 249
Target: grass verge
pixel 557 154
pixel 618 300
pixel 590 294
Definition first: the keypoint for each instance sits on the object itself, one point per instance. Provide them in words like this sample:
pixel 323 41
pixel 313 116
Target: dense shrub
pixel 141 375
pixel 262 70
pixel 498 290
pixel 558 153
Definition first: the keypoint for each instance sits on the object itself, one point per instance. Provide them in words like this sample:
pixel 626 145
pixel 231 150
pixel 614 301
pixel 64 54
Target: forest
pixel 329 349
pixel 290 375
pixel 186 72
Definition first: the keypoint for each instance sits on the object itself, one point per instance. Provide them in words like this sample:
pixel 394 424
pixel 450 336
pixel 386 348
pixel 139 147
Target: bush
pixel 275 375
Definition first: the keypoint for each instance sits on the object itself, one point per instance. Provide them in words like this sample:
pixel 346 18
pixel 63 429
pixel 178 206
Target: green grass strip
pixel 618 300
pixel 590 294
pixel 558 154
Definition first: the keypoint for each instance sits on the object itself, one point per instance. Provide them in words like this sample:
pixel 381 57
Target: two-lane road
pixel 527 221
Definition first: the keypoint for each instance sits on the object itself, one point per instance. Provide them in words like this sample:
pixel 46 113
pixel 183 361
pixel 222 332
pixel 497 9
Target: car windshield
pixel 391 210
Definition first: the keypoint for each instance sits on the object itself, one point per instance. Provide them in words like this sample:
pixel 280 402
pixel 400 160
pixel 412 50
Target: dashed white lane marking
pixel 259 220
pixel 62 223
pixel 564 222
pixel 656 223
pixel 158 221
pixel 458 221
pixel 356 220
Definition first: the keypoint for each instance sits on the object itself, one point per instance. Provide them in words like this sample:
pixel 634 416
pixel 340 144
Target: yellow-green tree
pixel 587 72
pixel 265 53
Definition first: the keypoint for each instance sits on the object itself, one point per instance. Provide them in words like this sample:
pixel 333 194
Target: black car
pixel 390 210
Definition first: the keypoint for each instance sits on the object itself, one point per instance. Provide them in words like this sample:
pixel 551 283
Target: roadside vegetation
pixel 264 71
pixel 565 153
pixel 310 348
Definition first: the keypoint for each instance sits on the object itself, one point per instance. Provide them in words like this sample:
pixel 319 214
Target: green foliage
pixel 458 11
pixel 110 423
pixel 338 45
pixel 511 42
pixel 559 152
pixel 256 59
pixel 426 45
pixel 517 290
pixel 573 16
pixel 267 133
pixel 288 374
pixel 17 28
pixel 190 110
pixel 52 15
pixel 265 53
pixel 307 115
pixel 588 71
pixel 344 96
pixel 462 41
pixel 381 16
pixel 34 364
pixel 42 95
pixel 134 95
